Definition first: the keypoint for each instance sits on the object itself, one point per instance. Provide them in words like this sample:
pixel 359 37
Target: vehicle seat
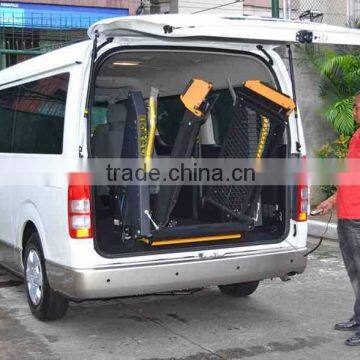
pixel 116 116
pixel 108 138
pixel 98 142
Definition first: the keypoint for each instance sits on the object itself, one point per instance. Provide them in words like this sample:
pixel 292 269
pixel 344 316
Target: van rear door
pixel 211 29
pixel 246 29
pixel 208 30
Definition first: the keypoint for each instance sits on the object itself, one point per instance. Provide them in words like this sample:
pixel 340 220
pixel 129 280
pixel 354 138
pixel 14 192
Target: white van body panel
pixel 74 267
pixel 249 29
pixel 48 63
pixel 93 259
pixel 46 200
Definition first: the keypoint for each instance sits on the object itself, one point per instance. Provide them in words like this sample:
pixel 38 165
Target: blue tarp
pixel 54 16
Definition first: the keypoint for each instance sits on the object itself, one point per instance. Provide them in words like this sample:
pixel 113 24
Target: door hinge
pixel 81 155
pixel 305 37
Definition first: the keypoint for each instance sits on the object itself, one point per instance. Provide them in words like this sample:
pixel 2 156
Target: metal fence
pixel 335 12
pixel 23 37
pixel 53 21
pixel 354 9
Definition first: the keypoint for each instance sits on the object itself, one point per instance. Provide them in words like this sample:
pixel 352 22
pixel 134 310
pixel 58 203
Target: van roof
pixel 255 29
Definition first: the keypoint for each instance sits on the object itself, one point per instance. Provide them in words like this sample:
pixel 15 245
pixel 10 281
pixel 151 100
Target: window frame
pixel 28 80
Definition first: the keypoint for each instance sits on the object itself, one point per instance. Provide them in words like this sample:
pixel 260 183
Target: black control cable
pixel 322 236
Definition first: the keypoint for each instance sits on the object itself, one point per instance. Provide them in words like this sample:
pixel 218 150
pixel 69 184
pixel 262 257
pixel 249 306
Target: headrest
pixel 117 113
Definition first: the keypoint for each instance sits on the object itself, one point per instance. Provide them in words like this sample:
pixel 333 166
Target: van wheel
pixel 45 304
pixel 239 290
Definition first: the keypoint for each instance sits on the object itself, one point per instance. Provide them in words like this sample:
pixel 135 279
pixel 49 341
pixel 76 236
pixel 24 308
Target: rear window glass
pixel 39 118
pixel 8 99
pixel 32 116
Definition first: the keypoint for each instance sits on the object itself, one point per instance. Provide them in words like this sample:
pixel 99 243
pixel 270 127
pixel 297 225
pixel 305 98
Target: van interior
pixel 146 219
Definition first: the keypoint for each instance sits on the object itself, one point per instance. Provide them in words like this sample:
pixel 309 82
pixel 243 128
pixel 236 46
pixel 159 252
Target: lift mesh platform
pixel 256 131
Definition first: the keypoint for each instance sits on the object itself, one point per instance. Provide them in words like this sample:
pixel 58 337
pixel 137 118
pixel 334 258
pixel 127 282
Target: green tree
pixel 339 68
pixel 340 81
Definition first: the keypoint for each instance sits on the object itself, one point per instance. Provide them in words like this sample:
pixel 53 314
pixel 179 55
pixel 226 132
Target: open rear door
pixel 245 29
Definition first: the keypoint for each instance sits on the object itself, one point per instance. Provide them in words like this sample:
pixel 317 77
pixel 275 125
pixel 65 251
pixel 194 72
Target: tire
pixel 239 290
pixel 45 304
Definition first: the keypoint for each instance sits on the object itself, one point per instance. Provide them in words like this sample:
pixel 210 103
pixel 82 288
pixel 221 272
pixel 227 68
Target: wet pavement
pixel 291 320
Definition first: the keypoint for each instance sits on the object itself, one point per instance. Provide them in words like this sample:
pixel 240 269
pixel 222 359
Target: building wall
pixel 257 7
pixel 191 6
pixel 132 5
pixel 263 8
pixel 160 7
pixel 316 129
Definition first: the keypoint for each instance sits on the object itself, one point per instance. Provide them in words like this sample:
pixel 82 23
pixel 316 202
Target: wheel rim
pixel 34 277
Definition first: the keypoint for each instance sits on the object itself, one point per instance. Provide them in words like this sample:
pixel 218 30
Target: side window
pixel 8 99
pixel 39 116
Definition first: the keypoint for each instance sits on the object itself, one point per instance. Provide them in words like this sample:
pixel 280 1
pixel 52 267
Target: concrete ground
pixel 324 225
pixel 291 320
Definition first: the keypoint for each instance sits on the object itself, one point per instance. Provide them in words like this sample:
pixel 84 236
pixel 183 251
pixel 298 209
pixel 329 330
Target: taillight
pixel 302 203
pixel 79 206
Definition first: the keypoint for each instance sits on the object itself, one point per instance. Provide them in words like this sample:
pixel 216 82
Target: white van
pixel 70 242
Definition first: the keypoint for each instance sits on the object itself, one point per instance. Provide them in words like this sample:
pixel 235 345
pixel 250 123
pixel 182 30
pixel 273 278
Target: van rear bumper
pixel 119 280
